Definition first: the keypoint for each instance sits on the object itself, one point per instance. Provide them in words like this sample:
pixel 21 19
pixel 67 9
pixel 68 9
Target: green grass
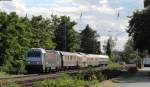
pixel 4 83
pixel 9 84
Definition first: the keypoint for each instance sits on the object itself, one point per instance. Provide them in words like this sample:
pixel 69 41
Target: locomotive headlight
pixel 28 62
pixel 37 62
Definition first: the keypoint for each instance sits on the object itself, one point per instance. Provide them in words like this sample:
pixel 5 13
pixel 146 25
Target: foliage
pixel 89 43
pixel 43 32
pixel 91 75
pixel 109 46
pixel 146 3
pixel 113 66
pixel 139 29
pixel 66 38
pixel 64 81
pixel 130 55
pixel 115 57
pixel 15 37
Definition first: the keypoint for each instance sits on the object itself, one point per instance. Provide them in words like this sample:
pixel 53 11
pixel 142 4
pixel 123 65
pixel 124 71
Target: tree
pixel 43 32
pixel 66 38
pixel 131 55
pixel 146 3
pixel 139 29
pixel 109 47
pixel 89 43
pixel 15 37
pixel 98 47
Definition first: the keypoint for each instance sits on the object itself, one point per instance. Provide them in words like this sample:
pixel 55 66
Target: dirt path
pixel 140 79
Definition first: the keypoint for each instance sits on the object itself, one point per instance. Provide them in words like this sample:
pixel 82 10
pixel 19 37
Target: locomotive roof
pixel 37 49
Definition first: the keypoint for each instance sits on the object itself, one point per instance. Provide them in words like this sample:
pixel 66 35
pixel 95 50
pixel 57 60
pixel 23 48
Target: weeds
pixel 65 81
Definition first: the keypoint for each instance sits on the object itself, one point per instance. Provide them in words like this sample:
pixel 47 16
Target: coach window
pixel 67 58
pixel 80 59
pixel 74 58
pixel 70 58
pixel 64 58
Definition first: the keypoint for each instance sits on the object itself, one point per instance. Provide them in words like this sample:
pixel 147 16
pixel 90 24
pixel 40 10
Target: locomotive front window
pixel 34 54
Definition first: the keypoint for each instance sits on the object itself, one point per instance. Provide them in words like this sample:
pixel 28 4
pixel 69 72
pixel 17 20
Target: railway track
pixel 30 79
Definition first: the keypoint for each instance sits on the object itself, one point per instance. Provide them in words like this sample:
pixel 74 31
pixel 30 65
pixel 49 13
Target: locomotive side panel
pixel 52 60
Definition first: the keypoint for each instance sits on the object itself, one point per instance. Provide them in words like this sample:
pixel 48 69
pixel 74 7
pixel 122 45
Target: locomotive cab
pixel 35 59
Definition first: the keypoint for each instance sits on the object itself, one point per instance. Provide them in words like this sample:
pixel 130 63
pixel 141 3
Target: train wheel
pixel 47 70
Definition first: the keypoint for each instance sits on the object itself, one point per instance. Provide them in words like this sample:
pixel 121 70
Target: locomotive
pixel 39 59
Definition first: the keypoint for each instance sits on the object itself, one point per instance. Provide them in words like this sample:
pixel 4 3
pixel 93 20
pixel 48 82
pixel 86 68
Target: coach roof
pixel 68 53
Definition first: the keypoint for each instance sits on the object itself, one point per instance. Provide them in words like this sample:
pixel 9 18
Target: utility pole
pixel 65 35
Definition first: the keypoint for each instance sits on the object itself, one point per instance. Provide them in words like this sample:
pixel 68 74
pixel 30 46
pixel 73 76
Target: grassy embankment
pixel 91 78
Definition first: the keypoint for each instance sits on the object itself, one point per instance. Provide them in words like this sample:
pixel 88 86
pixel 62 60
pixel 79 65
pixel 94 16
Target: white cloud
pixel 106 10
pixel 103 1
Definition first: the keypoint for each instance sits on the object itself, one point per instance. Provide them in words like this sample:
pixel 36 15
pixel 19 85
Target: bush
pixel 91 75
pixel 64 81
pixel 113 66
pixel 18 67
pixel 112 70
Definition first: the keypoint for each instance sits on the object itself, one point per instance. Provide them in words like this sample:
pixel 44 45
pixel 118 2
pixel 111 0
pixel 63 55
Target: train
pixel 44 60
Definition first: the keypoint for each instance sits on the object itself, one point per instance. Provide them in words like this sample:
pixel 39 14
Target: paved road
pixel 140 79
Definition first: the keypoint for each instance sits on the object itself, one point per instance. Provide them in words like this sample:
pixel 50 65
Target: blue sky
pixel 101 15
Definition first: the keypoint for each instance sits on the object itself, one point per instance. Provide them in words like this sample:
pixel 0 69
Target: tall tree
pixel 43 32
pixel 139 29
pixel 66 38
pixel 89 43
pixel 109 47
pixel 15 37
pixel 98 47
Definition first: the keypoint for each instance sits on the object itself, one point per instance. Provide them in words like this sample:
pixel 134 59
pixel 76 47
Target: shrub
pixel 113 66
pixel 112 70
pixel 18 67
pixel 64 81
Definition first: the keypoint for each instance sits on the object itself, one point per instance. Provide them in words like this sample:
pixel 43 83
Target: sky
pixel 107 17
